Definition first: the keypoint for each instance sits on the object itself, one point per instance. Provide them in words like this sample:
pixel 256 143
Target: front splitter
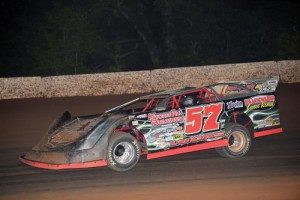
pixel 98 163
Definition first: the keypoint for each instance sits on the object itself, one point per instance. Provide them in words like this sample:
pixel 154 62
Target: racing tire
pixel 239 140
pixel 123 152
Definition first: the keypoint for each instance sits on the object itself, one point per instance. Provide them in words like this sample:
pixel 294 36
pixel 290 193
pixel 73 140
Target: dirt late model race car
pixel 225 116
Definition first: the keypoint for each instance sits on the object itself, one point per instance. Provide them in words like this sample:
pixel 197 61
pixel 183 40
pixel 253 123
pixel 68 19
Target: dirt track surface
pixel 271 170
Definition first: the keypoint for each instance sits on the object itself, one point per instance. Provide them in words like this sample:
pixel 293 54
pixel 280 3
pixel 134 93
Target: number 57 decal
pixel 203 118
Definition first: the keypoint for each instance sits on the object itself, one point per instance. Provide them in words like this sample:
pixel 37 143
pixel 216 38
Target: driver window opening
pixel 204 95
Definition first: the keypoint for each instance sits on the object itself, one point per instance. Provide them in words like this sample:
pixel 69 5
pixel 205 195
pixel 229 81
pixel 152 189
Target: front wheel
pixel 123 152
pixel 239 140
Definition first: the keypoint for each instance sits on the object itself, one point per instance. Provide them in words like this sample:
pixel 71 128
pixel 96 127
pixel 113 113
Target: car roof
pixel 167 93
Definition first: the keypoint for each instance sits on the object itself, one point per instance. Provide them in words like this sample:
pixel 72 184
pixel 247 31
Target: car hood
pixel 76 139
pixel 68 130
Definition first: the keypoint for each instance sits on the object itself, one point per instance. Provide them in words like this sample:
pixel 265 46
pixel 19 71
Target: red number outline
pixel 193 120
pixel 203 118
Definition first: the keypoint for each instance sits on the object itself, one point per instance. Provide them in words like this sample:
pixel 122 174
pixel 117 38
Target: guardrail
pixel 144 81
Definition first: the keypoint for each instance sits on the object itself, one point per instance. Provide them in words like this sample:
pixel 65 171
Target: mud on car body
pixel 225 116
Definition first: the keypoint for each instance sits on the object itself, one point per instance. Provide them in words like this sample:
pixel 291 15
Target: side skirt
pixel 181 150
pixel 267 132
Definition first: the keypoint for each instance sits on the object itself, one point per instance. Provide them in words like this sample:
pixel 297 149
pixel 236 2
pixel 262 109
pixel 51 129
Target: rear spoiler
pixel 260 86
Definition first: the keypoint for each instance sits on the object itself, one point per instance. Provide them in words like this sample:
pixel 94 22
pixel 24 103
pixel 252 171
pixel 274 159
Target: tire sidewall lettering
pixel 110 157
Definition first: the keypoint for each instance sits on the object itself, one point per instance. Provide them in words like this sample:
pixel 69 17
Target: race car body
pixel 225 116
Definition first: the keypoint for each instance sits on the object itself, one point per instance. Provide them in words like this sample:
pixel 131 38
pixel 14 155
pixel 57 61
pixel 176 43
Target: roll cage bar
pixel 173 99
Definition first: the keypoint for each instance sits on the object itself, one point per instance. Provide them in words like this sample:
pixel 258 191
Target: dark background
pixel 73 37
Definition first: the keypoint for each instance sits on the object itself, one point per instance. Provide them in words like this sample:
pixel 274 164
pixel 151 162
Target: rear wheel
pixel 123 152
pixel 239 140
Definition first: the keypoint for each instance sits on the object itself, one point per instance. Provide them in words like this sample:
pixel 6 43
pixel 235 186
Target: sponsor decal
pixel 272 122
pixel 173 116
pixel 235 104
pixel 162 145
pixel 142 116
pixel 169 138
pixel 258 86
pixel 272 82
pixel 174 137
pixel 197 138
pixel 268 122
pixel 276 123
pixel 178 136
pixel 260 102
pixel 265 88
